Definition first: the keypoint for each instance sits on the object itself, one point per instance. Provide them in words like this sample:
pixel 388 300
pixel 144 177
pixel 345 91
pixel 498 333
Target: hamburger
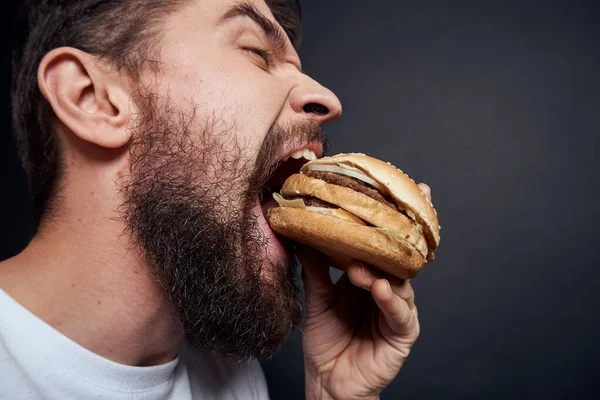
pixel 358 207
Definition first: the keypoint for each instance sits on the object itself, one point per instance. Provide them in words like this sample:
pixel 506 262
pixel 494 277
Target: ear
pixel 93 102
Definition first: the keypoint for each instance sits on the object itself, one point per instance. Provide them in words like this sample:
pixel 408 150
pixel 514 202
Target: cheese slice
pixel 299 203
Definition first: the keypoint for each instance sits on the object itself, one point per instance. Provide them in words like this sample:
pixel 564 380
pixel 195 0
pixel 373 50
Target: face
pixel 213 127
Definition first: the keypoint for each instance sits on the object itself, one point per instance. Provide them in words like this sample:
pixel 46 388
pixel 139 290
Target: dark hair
pixel 122 32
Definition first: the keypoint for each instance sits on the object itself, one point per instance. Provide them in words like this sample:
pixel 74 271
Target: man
pixel 149 130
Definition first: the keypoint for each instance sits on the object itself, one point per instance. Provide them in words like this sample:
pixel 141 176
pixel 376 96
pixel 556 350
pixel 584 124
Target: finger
pixel 339 261
pixel 318 287
pixel 396 311
pixel 405 291
pixel 425 189
pixel 364 277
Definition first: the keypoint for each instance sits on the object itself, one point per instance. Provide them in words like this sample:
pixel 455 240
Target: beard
pixel 190 208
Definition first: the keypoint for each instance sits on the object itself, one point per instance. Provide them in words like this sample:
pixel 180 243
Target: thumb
pixel 318 286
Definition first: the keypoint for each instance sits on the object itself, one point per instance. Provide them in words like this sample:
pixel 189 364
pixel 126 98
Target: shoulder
pixel 218 375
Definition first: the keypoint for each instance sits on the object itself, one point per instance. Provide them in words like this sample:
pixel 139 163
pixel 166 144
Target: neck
pixel 81 275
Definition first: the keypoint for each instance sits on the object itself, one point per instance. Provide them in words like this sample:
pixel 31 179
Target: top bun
pixel 400 187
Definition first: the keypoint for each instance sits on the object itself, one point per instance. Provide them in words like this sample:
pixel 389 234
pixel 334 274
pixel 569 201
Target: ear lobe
pixel 93 102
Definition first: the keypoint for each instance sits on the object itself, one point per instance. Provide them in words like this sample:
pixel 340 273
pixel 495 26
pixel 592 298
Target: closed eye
pixel 265 54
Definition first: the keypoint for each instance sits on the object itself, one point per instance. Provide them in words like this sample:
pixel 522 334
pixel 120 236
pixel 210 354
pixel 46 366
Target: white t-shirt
pixel 38 362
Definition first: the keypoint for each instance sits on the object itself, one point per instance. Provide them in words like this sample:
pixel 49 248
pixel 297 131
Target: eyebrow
pixel 276 38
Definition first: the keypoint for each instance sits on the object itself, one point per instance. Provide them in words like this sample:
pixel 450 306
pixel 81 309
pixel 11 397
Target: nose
pixel 315 101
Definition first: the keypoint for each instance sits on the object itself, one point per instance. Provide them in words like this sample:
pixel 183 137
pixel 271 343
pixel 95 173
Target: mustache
pixel 274 144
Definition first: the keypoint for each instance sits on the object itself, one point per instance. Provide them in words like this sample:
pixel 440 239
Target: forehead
pixel 208 13
pixel 200 22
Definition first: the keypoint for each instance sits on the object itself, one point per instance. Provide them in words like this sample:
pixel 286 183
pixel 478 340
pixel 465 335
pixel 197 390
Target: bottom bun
pixel 338 237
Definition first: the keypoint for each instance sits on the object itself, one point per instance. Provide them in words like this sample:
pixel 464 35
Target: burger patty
pixel 352 183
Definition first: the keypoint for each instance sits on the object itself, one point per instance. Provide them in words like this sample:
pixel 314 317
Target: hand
pixel 358 331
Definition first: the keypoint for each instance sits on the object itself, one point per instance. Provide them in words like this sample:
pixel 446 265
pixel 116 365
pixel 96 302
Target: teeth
pixel 304 153
pixel 297 154
pixel 309 155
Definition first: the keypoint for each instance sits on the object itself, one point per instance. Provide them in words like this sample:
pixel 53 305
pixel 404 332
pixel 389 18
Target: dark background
pixel 496 105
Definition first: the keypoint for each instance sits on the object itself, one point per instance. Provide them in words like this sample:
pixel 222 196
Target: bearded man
pixel 149 130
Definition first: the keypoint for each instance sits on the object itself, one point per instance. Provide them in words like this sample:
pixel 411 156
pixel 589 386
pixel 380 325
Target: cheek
pixel 240 99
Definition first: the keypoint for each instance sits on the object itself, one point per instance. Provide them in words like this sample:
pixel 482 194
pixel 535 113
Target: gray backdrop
pixel 496 105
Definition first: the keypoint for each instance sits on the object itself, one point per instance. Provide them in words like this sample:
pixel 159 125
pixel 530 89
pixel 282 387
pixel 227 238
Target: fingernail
pixel 365 272
pixel 388 285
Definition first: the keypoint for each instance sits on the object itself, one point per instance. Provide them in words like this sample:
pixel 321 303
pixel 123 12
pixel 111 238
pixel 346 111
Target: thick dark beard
pixel 200 236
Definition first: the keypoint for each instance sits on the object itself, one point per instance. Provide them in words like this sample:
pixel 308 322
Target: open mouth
pixel 280 247
pixel 289 165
